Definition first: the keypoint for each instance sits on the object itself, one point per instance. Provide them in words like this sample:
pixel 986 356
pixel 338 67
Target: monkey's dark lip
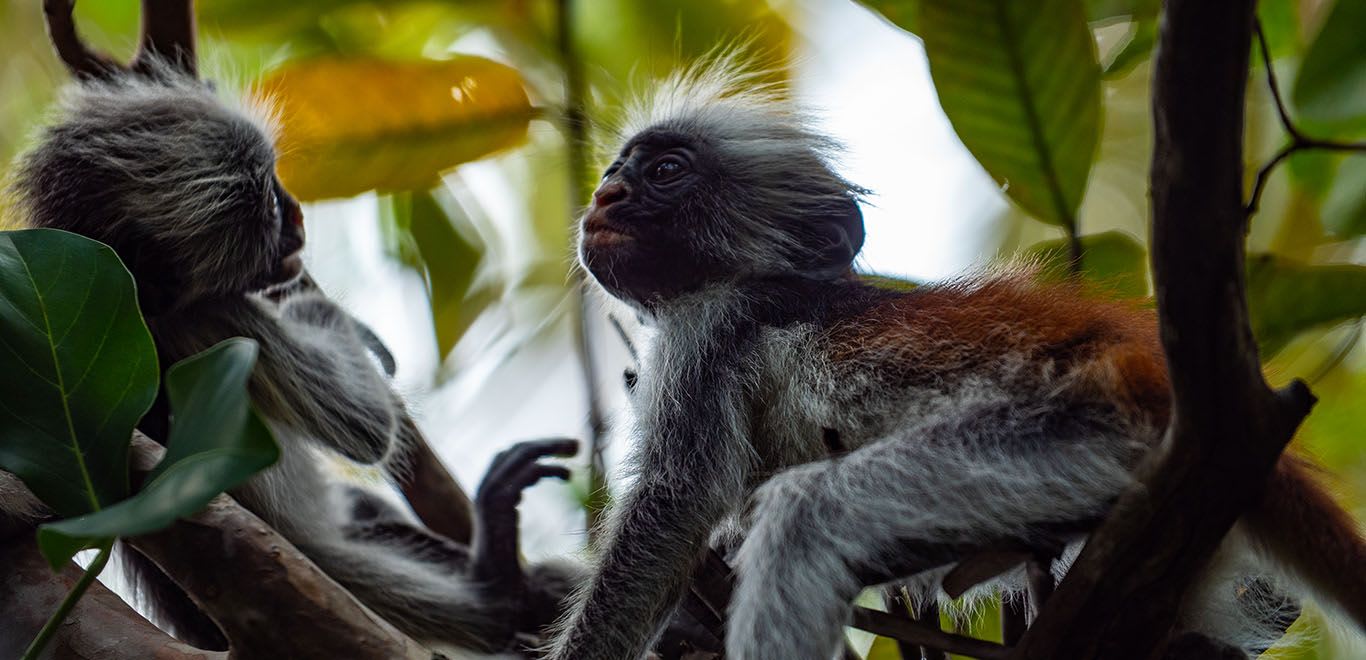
pixel 600 232
pixel 290 267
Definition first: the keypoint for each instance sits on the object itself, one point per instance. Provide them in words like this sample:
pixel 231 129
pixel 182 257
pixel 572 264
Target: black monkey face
pixel 644 237
pixel 692 203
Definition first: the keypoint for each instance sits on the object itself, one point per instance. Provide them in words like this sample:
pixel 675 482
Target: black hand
pixel 496 557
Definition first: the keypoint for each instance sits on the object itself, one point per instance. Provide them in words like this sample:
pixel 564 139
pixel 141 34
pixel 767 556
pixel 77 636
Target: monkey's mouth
pixel 289 268
pixel 598 233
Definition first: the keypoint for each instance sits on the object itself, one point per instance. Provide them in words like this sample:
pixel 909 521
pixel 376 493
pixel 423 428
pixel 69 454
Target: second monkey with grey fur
pixel 182 186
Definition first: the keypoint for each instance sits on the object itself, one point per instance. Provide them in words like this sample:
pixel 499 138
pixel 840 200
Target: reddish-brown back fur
pixel 1113 353
pixel 1109 349
pixel 1299 521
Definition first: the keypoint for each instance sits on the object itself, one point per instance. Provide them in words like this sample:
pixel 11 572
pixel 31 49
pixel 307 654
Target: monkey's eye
pixel 667 167
pixel 612 169
pixel 277 210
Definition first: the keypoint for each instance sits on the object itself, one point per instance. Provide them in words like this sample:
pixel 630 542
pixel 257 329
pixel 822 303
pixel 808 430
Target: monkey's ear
pixel 842 232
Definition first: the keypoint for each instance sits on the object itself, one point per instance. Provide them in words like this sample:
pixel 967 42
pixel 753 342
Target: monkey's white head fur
pixel 177 178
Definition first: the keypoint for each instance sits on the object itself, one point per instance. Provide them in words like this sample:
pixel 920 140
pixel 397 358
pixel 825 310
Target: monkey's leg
pixel 822 532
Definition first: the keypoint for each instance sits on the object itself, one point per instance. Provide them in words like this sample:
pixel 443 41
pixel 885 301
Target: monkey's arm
pixel 312 372
pixel 692 466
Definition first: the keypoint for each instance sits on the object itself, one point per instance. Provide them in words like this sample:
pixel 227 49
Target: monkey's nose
pixel 610 192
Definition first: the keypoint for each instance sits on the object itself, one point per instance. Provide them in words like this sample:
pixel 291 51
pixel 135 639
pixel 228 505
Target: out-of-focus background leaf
pixel 447 222
pixel 1286 298
pixel 349 126
pixel 1114 261
pixel 1021 84
pixel 216 443
pixel 1330 89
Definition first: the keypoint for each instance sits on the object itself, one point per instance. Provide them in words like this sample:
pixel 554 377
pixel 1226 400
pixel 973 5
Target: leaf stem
pixel 50 628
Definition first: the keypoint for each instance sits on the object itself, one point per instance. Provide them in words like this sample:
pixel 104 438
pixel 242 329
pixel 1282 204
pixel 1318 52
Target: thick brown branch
pixel 1228 428
pixel 269 600
pixel 432 492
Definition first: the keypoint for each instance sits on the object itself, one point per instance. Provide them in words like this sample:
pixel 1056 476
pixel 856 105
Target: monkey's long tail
pixel 1303 527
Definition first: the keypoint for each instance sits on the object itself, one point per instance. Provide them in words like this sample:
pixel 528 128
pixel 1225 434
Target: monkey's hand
pixel 496 563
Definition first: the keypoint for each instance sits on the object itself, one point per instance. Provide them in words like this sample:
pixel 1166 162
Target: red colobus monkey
pixel 182 185
pixel 968 414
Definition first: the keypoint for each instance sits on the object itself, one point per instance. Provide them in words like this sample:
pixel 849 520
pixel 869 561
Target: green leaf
pixel 1344 208
pixel 451 263
pixel 901 13
pixel 1286 297
pixel 1330 90
pixel 79 368
pixel 1020 83
pixel 887 282
pixel 1107 10
pixel 343 132
pixel 1142 37
pixel 884 648
pixel 216 443
pixel 1113 260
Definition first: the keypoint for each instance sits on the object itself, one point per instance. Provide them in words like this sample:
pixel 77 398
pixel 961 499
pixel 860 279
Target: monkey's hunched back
pixel 862 435
pixel 182 185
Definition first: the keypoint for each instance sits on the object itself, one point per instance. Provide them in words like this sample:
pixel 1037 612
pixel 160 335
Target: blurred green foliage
pixel 1053 103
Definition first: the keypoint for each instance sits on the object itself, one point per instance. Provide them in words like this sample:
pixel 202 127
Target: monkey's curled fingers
pixel 495 504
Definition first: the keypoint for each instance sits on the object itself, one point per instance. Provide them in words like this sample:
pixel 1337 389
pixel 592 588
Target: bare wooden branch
pixel 1228 428
pixel 262 592
pixel 916 632
pixel 168 34
pixel 80 59
pixel 100 627
pixel 432 492
pixel 1298 140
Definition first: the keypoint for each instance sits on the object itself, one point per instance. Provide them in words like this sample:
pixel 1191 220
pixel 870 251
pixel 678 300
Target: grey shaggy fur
pixel 179 182
pixel 727 417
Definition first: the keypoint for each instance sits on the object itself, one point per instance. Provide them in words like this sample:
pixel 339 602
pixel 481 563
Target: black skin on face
pixel 637 233
pixel 288 217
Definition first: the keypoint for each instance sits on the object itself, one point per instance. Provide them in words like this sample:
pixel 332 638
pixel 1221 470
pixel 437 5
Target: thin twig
pixel 575 125
pixel 1298 140
pixel 916 632
pixel 80 59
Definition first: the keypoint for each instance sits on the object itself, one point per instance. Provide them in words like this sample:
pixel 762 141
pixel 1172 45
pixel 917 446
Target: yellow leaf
pixel 350 125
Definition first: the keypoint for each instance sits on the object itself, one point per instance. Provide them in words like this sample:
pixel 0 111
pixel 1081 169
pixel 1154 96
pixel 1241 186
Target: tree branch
pixel 265 595
pixel 1298 140
pixel 432 492
pixel 100 622
pixel 168 34
pixel 1227 427
pixel 80 59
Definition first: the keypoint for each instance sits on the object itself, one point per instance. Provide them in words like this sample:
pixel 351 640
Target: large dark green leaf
pixel 1113 260
pixel 1021 85
pixel 79 368
pixel 216 443
pixel 1286 297
pixel 1330 89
